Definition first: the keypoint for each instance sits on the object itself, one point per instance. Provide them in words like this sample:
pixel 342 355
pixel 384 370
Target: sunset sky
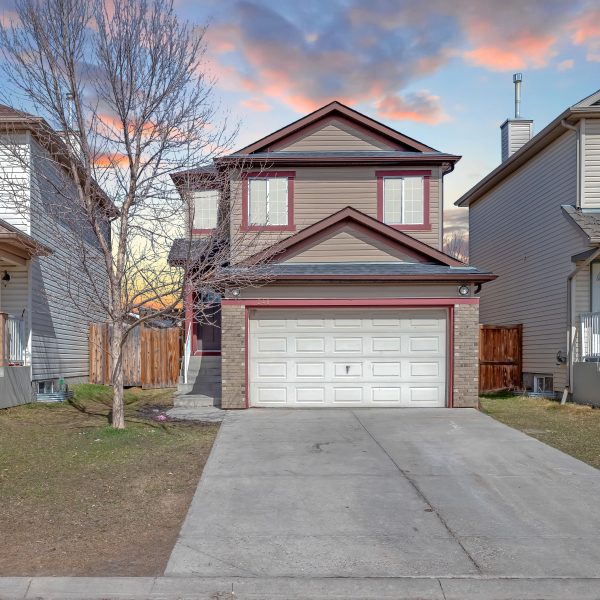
pixel 438 71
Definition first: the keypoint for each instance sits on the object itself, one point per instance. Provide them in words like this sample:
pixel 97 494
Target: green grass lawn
pixel 572 428
pixel 80 498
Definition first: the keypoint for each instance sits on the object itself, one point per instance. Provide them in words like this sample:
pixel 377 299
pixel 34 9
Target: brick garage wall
pixel 233 356
pixel 466 355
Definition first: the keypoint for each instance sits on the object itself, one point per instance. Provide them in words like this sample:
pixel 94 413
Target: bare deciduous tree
pixel 126 101
pixel 456 244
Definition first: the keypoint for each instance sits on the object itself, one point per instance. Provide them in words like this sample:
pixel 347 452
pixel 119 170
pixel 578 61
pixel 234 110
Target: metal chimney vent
pixel 516 132
pixel 517 79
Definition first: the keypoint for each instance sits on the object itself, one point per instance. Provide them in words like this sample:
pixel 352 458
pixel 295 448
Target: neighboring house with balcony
pixel 535 222
pixel 360 307
pixel 45 307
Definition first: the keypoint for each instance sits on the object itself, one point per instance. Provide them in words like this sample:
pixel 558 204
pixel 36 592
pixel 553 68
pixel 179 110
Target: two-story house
pixel 46 298
pixel 361 307
pixel 535 222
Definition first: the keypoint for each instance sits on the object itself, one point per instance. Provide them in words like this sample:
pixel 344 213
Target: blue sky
pixel 438 71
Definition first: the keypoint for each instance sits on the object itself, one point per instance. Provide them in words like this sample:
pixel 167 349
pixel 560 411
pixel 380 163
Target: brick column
pixel 466 355
pixel 233 356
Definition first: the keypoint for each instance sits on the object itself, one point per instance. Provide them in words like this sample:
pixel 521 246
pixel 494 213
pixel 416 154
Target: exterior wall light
pixel 464 290
pixel 235 292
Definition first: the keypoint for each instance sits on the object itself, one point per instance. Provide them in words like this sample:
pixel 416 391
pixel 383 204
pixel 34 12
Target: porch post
pixel 3 339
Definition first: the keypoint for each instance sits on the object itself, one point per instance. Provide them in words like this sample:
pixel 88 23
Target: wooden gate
pixel 150 356
pixel 500 357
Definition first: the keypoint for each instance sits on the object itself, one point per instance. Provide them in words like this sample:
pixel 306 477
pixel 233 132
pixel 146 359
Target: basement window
pixel 543 384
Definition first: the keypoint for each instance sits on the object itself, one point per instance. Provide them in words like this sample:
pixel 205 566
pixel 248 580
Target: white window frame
pixel 540 384
pixel 268 223
pixel 403 179
pixel 196 196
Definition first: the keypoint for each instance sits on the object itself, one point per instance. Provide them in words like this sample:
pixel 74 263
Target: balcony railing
pixel 589 337
pixel 13 344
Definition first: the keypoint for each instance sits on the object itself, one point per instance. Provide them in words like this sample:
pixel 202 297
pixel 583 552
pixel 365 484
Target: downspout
pixel 570 319
pixel 570 279
pixel 445 171
pixel 577 131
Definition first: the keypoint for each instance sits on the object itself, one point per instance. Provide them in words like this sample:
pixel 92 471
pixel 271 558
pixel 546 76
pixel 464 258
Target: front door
pixel 208 330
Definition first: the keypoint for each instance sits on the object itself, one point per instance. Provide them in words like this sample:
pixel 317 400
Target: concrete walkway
pixel 223 588
pixel 387 493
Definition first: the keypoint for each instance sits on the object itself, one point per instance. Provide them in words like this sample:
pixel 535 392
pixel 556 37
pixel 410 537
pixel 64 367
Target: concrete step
pixel 191 387
pixel 195 401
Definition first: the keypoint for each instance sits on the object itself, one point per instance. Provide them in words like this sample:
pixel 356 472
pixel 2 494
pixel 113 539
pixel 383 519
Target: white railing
pixel 589 337
pixel 15 344
pixel 187 352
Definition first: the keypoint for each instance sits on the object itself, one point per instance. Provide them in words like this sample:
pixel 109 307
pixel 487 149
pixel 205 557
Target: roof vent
pixel 515 132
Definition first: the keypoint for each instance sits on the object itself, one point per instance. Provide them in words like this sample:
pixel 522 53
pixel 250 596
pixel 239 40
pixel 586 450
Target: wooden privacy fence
pixel 500 357
pixel 150 356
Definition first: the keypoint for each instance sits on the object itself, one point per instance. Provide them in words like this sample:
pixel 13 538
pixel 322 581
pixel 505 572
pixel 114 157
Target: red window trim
pixel 291 175
pixel 426 225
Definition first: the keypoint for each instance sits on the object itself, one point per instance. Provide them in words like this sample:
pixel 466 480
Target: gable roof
pixel 15 245
pixel 350 215
pixel 588 107
pixel 589 223
pixel 329 110
pixel 51 140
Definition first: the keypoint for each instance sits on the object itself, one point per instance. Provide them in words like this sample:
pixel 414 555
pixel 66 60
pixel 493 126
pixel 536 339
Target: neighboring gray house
pixel 46 303
pixel 535 222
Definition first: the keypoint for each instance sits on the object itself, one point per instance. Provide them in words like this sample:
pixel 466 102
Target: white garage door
pixel 347 357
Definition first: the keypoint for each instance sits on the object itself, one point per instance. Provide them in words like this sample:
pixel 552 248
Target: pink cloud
pixel 498 51
pixel 585 31
pixel 565 65
pixel 255 104
pixel 422 107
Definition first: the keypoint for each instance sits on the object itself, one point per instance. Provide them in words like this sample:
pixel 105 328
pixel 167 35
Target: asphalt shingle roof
pixel 588 222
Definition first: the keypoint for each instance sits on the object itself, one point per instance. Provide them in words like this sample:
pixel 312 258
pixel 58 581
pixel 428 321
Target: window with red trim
pixel 403 198
pixel 268 200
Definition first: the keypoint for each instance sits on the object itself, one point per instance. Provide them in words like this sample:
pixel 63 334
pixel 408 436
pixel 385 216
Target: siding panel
pixel 336 135
pixel 591 187
pixel 63 299
pixel 349 246
pixel 519 232
pixel 322 191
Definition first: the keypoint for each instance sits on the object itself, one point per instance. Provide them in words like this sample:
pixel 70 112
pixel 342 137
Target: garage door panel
pixel 386 369
pixel 269 370
pixel 314 344
pixel 378 357
pixel 312 370
pixel 267 345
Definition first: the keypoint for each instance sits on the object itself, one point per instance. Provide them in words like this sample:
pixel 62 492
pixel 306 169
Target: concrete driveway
pixel 387 493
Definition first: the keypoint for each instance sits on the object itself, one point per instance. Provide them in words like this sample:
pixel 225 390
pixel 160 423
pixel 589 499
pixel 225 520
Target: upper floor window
pixel 268 200
pixel 403 198
pixel 206 208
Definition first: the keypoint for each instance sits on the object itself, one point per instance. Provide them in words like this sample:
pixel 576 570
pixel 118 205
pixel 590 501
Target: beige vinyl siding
pixel 591 177
pixel 519 232
pixel 63 301
pixel 582 300
pixel 582 290
pixel 351 290
pixel 336 135
pixel 349 245
pixel 322 191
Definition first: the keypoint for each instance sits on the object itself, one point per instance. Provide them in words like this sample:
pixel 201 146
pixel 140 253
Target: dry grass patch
pixel 572 428
pixel 80 498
